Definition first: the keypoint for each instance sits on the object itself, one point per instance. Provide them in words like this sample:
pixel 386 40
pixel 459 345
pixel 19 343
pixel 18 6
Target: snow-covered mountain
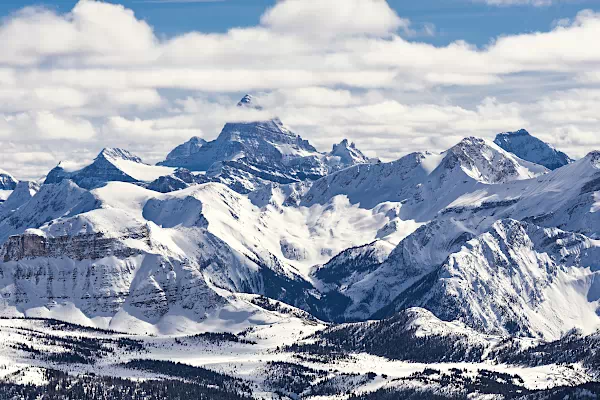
pixel 186 149
pixel 22 193
pixel 7 181
pixel 122 270
pixel 522 144
pixel 214 241
pixel 565 198
pixel 248 155
pixel 7 184
pixel 50 203
pixel 110 165
pixel 515 279
pixel 425 182
pixel 344 155
pixel 472 255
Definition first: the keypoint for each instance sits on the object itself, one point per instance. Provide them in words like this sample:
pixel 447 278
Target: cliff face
pixel 91 246
pixel 100 276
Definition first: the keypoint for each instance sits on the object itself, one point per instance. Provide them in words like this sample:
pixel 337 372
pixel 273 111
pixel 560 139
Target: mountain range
pixel 480 252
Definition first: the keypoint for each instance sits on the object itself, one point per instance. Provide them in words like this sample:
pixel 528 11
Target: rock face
pixel 186 149
pixel 248 155
pixel 525 146
pixel 353 263
pixel 91 246
pixel 180 179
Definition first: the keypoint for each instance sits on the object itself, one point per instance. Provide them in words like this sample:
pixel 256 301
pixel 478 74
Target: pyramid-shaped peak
pixel 471 142
pixel 113 153
pixel 486 162
pixel 250 102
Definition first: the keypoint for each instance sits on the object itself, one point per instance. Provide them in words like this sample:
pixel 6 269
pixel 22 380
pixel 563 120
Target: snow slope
pixel 516 279
pixel 425 182
pixel 135 258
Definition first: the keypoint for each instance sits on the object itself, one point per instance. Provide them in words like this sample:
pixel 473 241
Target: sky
pixel 395 76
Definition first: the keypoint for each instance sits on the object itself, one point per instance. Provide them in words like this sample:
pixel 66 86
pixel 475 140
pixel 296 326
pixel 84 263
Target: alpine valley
pixel 256 266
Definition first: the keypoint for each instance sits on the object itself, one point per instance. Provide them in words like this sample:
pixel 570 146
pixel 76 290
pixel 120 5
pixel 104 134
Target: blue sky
pixel 477 23
pixel 146 75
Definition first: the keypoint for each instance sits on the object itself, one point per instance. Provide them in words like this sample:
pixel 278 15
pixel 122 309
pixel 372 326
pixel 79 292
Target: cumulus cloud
pixel 99 76
pixel 334 18
pixel 46 125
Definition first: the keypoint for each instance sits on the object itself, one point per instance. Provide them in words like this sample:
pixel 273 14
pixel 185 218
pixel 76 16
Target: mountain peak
pixel 489 163
pixel 192 146
pixel 7 181
pixel 250 102
pixel 470 146
pixel 594 158
pixel 527 147
pixel 345 143
pixel 520 132
pixel 113 153
pixel 348 153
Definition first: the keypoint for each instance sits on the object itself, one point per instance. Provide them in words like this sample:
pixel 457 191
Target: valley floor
pixel 254 363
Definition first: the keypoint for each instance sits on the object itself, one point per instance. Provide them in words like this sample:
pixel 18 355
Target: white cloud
pixel 46 125
pixel 333 18
pixel 93 32
pixel 98 76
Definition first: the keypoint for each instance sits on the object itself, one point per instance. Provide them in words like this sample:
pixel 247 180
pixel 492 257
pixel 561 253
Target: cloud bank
pixel 99 76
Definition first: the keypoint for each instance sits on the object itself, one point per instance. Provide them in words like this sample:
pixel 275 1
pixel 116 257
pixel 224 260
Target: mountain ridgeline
pixel 476 254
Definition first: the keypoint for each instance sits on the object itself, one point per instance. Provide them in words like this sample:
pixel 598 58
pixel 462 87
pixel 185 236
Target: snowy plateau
pixel 254 266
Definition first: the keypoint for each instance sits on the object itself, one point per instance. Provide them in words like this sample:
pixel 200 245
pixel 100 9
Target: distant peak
pixel 469 142
pixel 7 181
pixel 594 158
pixel 469 146
pixel 344 144
pixel 4 173
pixel 116 153
pixel 250 102
pixel 528 147
pixel 247 99
pixel 520 132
